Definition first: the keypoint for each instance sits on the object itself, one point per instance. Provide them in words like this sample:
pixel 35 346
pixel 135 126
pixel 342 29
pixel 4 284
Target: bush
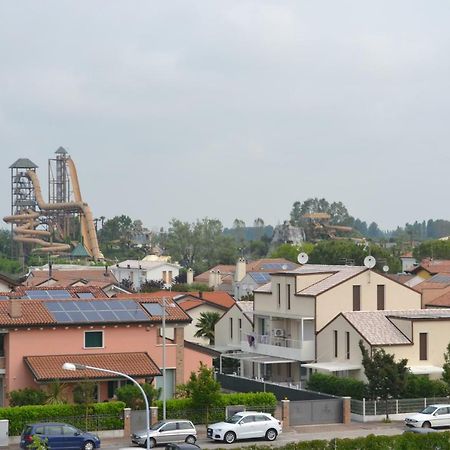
pixel 106 416
pixel 132 396
pixel 183 407
pixel 340 386
pixel 27 396
pixel 418 386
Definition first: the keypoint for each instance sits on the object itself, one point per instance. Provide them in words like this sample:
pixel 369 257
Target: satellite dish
pixel 385 268
pixel 369 262
pixel 302 258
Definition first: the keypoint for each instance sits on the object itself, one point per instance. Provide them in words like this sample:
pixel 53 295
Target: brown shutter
pixel 335 343
pixel 423 344
pixel 357 298
pixel 380 297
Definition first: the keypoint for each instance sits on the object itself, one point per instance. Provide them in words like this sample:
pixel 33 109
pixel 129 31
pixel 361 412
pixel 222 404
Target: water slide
pixel 26 222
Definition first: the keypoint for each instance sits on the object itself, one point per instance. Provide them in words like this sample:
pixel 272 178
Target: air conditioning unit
pixel 278 332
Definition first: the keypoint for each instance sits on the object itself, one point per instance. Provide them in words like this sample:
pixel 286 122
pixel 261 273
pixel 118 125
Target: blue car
pixel 59 436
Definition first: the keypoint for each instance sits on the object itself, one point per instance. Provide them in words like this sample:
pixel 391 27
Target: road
pixel 294 434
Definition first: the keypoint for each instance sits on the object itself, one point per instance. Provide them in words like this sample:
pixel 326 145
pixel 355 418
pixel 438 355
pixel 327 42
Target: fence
pixel 372 410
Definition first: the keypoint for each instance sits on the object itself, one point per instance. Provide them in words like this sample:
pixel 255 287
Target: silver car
pixel 176 430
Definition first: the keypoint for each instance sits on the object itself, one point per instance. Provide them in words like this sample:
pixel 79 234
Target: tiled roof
pixel 443 301
pixel 400 277
pixel 49 367
pixel 219 298
pixel 192 303
pixel 377 329
pixel 68 277
pixel 33 313
pixel 433 266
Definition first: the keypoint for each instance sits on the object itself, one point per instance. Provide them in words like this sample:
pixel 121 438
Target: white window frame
pixel 93 331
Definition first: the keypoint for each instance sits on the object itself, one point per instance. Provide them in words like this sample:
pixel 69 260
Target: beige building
pixel 420 336
pixel 291 309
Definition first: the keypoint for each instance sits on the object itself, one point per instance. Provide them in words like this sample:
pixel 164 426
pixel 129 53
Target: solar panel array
pixel 96 311
pixel 40 294
pixel 85 295
pixel 154 309
pixel 260 277
pixel 439 278
pixel 278 266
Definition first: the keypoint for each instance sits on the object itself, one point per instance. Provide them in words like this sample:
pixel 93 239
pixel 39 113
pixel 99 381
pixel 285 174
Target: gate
pixel 306 412
pixel 137 420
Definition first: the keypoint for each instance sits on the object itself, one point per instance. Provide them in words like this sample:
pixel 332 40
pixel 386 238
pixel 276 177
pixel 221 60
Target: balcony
pixel 278 346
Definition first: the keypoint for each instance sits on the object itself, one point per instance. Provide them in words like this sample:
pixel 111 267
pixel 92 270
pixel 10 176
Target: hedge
pixel 183 407
pixel 407 441
pixel 101 416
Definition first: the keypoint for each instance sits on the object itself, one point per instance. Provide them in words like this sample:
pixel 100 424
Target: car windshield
pixel 428 410
pixel 234 419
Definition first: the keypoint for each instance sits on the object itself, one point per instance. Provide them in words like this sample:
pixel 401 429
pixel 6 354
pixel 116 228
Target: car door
pixel 262 424
pixel 167 433
pixel 246 427
pixel 54 436
pixel 441 417
pixel 73 438
pixel 184 430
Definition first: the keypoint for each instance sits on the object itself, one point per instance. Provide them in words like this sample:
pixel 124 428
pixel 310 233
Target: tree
pixel 386 378
pixel 291 251
pixel 84 394
pixel 132 396
pixel 446 366
pixel 206 324
pixel 56 393
pixel 152 286
pixel 204 389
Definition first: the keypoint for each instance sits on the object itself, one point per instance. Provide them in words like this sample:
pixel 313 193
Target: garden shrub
pixel 418 386
pixel 340 386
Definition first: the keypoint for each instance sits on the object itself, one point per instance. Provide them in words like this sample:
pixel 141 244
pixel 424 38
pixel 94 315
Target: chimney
pixel 241 269
pixel 200 294
pixel 14 308
pixel 211 278
pixel 106 271
pixel 218 279
pixel 189 276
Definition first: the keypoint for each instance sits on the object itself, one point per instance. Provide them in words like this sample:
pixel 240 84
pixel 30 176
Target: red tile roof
pixel 433 266
pixel 33 313
pixel 443 301
pixel 67 277
pixel 49 367
pixel 218 298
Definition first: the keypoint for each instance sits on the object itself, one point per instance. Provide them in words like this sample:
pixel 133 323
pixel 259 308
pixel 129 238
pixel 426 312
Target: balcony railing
pixel 279 346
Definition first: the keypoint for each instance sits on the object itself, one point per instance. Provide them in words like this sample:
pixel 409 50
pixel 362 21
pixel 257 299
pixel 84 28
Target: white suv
pixel 245 425
pixel 431 416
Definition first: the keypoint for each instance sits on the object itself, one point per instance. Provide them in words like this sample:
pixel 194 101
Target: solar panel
pixel 96 311
pixel 260 277
pixel 35 294
pixel 154 309
pixel 85 295
pixel 59 293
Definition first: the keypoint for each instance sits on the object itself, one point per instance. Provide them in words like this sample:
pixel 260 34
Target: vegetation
pixel 206 324
pixel 27 396
pixel 132 396
pixel 56 393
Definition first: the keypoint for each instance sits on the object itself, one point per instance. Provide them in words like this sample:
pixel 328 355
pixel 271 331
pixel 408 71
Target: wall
pixel 222 328
pixel 340 298
pixel 191 329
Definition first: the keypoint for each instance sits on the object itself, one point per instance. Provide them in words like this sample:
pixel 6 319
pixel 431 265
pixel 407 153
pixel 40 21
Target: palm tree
pixel 56 393
pixel 206 325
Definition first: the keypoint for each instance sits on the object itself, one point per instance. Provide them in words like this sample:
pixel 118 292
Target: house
pixel 420 336
pixel 47 327
pixel 241 279
pixel 67 275
pixel 408 262
pixel 429 267
pixel 141 271
pixel 291 309
pixel 434 291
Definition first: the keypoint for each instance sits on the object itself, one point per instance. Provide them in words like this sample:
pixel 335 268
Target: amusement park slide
pixel 27 221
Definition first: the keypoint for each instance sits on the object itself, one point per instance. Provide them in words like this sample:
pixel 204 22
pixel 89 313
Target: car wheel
pixel 229 437
pixel 88 445
pixel 190 439
pixel 426 425
pixel 271 434
pixel 152 443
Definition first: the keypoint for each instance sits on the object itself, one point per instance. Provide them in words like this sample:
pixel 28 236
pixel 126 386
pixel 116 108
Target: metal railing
pixel 278 341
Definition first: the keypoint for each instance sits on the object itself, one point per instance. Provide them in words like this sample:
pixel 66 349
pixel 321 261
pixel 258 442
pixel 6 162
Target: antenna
pixel 302 258
pixel 385 269
pixel 369 262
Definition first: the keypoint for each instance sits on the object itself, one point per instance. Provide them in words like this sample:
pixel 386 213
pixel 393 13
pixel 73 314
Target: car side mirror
pixel 77 433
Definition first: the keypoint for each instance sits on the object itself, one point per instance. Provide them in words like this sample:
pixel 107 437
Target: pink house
pixel 47 327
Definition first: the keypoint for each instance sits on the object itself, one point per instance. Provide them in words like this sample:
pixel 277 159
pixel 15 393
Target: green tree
pixel 205 325
pixel 84 394
pixel 132 396
pixel 432 249
pixel 446 366
pixel 291 251
pixel 204 390
pixel 386 377
pixel 56 393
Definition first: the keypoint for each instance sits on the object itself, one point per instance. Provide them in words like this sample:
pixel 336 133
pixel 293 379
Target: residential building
pixel 43 328
pixel 408 262
pixel 429 267
pixel 291 309
pixel 141 271
pixel 420 336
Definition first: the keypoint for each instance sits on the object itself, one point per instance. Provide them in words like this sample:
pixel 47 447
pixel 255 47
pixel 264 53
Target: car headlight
pixel 218 429
pixel 412 420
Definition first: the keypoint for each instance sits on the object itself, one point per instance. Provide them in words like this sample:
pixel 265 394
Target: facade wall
pixel 222 332
pixel 191 329
pixel 340 298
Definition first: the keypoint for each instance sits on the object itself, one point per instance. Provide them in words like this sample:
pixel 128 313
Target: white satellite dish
pixel 302 258
pixel 370 261
pixel 385 268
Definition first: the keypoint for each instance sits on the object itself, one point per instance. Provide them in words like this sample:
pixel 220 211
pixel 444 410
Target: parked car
pixel 167 431
pixel 182 446
pixel 59 436
pixel 431 416
pixel 245 425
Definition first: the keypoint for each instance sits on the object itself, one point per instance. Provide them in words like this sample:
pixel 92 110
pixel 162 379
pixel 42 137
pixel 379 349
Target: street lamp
pixel 75 366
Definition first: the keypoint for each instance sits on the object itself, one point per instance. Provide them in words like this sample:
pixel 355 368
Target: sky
pixel 232 109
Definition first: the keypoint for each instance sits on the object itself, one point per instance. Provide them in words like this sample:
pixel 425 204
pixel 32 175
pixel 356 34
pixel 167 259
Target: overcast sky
pixel 232 109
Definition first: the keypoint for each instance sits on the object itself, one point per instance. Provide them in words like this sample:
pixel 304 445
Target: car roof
pixel 250 413
pixel 440 405
pixel 36 424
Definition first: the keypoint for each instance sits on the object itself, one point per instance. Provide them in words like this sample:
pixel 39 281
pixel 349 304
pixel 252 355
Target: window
pixel 231 328
pixel 357 298
pixel 423 346
pixel 347 344
pixel 279 295
pixel 93 339
pixel 240 324
pixel 68 430
pixel 288 294
pixel 164 277
pixel 380 297
pixel 2 344
pixel 53 430
pixel 248 419
pixel 335 338
pixel 171 426
pixel 185 426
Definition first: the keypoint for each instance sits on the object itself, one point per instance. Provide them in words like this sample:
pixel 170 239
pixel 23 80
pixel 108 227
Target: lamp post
pixel 164 397
pixel 75 366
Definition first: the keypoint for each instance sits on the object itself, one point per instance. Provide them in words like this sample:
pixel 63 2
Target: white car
pixel 245 425
pixel 431 416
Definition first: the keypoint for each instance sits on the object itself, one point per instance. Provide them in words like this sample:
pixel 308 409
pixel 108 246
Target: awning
pixel 333 366
pixel 425 370
pixel 49 367
pixel 257 358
